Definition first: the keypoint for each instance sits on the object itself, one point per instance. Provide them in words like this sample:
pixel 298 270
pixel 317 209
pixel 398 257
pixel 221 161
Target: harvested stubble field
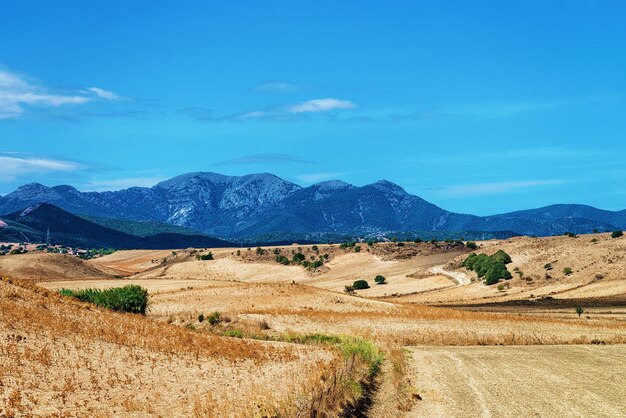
pixel 61 357
pixel 261 298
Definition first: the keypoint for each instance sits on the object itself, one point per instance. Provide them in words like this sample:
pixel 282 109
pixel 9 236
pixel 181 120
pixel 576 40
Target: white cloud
pixel 283 113
pixel 16 93
pixel 13 167
pixel 479 189
pixel 321 105
pixel 104 94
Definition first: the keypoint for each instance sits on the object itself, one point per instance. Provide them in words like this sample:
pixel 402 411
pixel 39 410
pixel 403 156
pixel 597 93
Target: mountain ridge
pixel 263 203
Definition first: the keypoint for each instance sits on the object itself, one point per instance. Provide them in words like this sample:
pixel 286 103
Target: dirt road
pixel 461 278
pixel 520 381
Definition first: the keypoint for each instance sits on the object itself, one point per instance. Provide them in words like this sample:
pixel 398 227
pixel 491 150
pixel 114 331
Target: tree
pixel 567 271
pixel 360 284
pixel 471 245
pixel 617 234
pixel 579 311
pixel 380 279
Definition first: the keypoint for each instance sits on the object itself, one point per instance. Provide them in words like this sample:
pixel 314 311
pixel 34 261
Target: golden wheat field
pixel 449 344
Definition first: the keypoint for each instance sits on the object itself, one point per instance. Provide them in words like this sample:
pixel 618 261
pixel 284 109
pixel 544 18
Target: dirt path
pixel 461 278
pixel 516 381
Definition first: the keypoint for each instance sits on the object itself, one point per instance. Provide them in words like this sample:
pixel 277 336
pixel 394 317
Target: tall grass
pixel 132 298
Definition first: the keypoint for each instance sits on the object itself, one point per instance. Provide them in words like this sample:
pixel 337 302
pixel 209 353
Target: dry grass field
pixel 61 357
pixel 559 381
pixel 435 355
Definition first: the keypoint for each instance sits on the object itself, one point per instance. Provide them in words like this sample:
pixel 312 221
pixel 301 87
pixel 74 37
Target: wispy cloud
pixel 276 87
pixel 280 113
pixel 103 94
pixel 320 105
pixel 519 154
pixel 317 177
pixel 12 167
pixel 264 159
pixel 17 93
pixel 119 183
pixel 479 189
pixel 495 109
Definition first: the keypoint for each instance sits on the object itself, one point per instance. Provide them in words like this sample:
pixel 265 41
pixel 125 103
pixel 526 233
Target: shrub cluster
pixel 492 268
pixel 617 234
pixel 299 258
pixel 205 257
pixel 131 298
pixel 94 253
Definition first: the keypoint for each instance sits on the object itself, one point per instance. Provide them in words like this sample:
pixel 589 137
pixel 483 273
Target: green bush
pixel 235 333
pixel 471 245
pixel 492 268
pixel 201 318
pixel 360 284
pixel 215 318
pixel 502 257
pixel 298 258
pixel 580 311
pixel 131 298
pixel 380 279
pixel 357 249
pixel 282 260
pixel 567 271
pixel 208 256
pixel 616 234
pixel 315 264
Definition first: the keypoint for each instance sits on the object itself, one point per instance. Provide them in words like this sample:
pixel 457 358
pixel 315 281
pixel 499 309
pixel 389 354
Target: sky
pixel 479 107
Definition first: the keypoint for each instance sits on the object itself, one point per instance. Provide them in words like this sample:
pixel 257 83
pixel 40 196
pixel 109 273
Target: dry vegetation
pixel 178 350
pixel 63 357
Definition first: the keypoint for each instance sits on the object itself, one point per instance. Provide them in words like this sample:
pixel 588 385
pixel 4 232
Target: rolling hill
pixel 68 229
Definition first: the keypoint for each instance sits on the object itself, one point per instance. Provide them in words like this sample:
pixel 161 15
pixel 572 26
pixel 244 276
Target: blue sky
pixel 480 107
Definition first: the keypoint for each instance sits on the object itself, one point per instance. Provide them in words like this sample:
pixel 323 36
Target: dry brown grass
pixel 61 357
pixel 266 299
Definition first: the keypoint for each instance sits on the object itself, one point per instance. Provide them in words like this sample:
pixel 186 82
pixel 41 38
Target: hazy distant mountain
pixel 67 229
pixel 262 204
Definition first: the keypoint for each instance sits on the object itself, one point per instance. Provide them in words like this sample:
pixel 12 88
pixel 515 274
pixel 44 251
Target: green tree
pixel 617 234
pixel 360 284
pixel 579 311
pixel 380 279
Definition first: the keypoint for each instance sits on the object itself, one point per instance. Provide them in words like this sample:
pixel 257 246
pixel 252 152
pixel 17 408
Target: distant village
pixel 16 248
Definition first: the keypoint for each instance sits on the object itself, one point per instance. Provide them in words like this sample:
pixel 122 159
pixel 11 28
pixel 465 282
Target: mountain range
pixel 236 207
